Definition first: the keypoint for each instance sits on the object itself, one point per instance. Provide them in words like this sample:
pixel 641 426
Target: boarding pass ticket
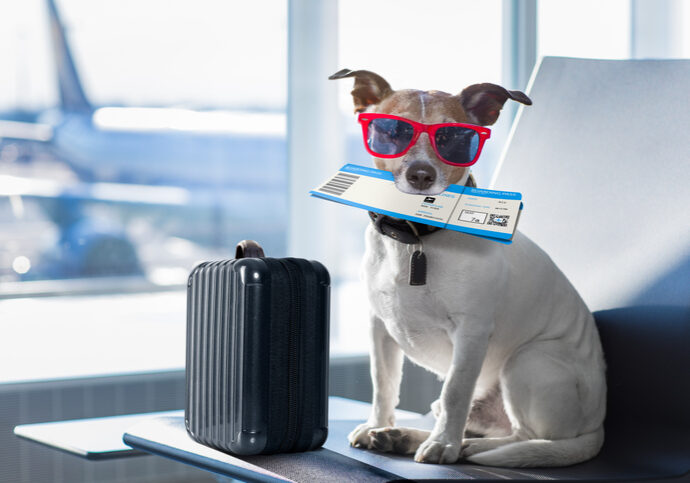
pixel 481 212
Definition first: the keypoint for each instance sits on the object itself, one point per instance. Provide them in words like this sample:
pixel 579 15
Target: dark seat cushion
pixel 647 351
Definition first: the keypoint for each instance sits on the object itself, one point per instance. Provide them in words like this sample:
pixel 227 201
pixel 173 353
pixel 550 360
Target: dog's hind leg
pixel 397 440
pixel 555 406
pixel 469 433
pixel 386 374
pixel 487 417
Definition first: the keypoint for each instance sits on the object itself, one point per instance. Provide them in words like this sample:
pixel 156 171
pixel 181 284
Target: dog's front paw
pixel 359 437
pixel 437 450
pixel 384 439
pixel 397 440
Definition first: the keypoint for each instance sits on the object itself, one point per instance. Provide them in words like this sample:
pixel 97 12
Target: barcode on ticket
pixel 339 184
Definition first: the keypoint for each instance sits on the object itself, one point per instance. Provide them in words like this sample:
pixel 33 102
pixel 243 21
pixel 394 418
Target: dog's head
pixel 420 170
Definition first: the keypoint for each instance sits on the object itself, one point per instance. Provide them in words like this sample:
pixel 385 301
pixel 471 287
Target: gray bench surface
pixel 627 457
pixel 101 438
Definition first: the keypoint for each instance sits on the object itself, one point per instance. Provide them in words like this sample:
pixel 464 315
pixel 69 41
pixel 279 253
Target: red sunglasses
pixel 457 144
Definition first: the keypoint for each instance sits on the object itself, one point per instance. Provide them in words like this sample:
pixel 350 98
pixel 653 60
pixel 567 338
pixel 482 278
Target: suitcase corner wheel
pixel 257 353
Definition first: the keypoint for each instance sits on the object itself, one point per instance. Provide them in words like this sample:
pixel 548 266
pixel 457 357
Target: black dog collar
pixel 407 232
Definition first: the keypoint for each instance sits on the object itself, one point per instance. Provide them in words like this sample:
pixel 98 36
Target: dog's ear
pixel 370 88
pixel 483 102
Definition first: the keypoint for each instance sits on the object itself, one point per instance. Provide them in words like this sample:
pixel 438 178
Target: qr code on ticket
pixel 498 220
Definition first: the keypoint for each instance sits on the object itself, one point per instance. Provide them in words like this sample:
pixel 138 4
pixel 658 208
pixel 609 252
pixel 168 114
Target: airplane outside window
pixel 135 194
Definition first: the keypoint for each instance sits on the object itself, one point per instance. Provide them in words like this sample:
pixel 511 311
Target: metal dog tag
pixel 418 268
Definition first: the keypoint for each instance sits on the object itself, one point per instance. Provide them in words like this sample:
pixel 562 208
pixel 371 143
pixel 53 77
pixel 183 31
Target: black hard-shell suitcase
pixel 257 353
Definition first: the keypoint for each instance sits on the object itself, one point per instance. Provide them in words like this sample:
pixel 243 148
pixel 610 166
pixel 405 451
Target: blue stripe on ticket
pixel 503 195
pixel 365 171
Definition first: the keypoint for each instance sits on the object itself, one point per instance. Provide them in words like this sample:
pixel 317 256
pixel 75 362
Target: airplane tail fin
pixel 543 453
pixel 72 97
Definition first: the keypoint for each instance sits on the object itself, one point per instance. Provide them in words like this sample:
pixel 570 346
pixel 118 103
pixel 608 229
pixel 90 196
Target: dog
pixel 516 347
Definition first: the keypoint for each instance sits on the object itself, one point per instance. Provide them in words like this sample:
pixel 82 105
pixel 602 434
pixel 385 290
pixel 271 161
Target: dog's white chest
pixel 412 314
pixel 422 336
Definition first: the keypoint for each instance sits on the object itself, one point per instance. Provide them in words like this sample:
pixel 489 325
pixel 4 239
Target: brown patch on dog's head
pixel 420 171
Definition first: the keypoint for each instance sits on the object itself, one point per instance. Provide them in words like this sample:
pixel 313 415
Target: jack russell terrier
pixel 514 343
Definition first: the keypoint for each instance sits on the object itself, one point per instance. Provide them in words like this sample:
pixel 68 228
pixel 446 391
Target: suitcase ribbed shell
pixel 257 355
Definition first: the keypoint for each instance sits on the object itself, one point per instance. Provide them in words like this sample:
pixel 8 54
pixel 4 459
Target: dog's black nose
pixel 420 175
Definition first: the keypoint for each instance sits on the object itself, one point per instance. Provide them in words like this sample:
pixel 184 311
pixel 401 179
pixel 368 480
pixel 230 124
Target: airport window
pixel 684 27
pixel 138 139
pixel 584 28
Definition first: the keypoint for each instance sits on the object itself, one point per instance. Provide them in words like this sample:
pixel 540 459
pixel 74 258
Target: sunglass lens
pixel 457 144
pixel 389 136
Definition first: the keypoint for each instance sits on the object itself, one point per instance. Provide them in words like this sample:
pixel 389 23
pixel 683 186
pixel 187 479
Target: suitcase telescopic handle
pixel 249 249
